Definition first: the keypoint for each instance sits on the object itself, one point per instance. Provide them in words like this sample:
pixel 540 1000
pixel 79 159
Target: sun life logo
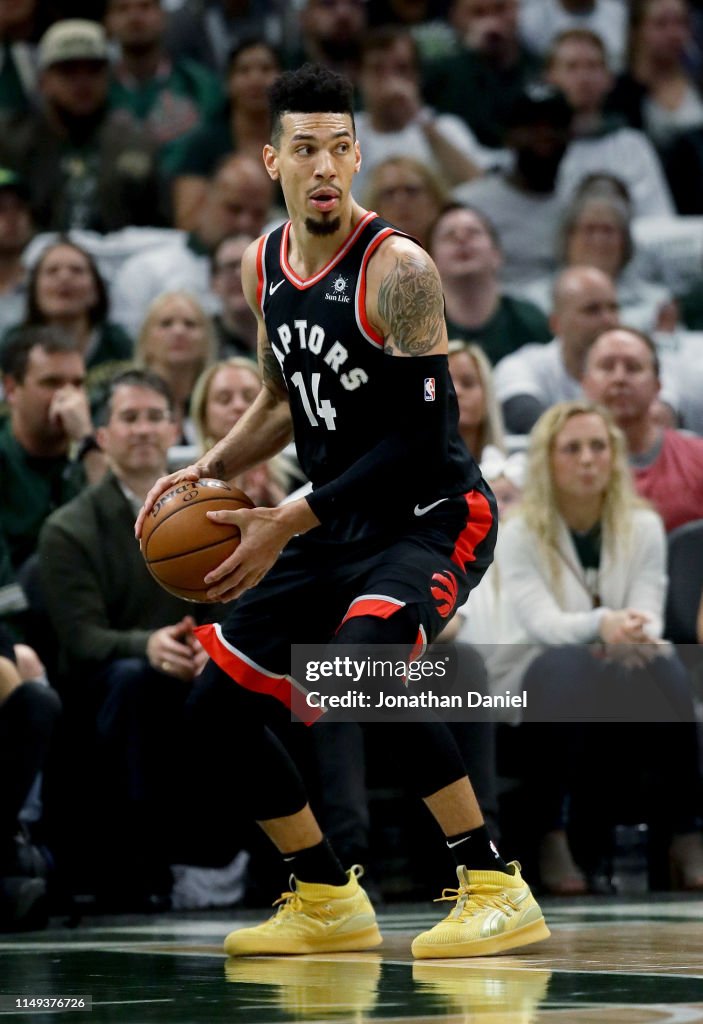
pixel 339 287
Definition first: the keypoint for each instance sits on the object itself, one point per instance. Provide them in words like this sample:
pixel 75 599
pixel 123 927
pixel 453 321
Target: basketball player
pixel 353 351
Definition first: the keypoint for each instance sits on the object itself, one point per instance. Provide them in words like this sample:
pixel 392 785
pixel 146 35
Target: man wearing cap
pixel 83 170
pixel 16 229
pixel 522 203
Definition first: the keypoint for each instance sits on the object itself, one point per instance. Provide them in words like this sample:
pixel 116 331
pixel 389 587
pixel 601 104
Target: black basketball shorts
pixel 312 590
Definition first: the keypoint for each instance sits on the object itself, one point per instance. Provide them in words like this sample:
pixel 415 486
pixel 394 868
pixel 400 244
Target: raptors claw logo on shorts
pixel 444 592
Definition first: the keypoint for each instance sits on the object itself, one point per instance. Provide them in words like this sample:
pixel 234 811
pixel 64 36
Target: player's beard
pixel 323 227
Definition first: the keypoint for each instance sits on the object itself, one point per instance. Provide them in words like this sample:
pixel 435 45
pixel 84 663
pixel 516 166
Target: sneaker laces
pixel 471 899
pixel 288 903
pixel 291 902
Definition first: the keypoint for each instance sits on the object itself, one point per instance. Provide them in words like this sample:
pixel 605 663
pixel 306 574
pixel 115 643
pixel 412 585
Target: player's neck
pixel 309 253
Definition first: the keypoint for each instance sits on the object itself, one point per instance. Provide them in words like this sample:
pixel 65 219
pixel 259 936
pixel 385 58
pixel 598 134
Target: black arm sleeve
pixel 414 448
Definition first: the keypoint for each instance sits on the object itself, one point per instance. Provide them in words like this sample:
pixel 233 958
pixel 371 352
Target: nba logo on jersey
pixel 429 389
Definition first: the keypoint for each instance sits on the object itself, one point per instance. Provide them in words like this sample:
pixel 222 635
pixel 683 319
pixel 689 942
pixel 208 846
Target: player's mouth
pixel 324 200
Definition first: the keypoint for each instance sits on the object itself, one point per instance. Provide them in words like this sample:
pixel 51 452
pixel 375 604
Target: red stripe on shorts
pixel 251 676
pixel 477 528
pixel 381 607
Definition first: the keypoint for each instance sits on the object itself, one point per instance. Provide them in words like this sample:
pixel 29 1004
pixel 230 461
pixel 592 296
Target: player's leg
pixel 495 909
pixel 327 910
pixel 439 777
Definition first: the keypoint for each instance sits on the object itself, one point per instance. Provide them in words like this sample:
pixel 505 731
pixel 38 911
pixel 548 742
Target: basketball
pixel 181 545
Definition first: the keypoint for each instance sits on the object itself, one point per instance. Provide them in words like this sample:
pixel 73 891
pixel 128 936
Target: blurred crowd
pixel 549 155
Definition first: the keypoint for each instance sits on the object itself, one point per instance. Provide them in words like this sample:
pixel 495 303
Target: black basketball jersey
pixel 336 371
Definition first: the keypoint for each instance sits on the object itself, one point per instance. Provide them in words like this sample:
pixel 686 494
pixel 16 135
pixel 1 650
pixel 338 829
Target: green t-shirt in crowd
pixel 175 101
pixel 478 91
pixel 515 323
pixel 32 488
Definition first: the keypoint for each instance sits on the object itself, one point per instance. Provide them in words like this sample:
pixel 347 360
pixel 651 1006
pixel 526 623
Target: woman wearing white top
pixel 582 581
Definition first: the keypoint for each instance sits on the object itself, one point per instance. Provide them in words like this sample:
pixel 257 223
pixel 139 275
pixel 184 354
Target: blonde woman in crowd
pixel 480 418
pixel 177 341
pixel 583 580
pixel 221 396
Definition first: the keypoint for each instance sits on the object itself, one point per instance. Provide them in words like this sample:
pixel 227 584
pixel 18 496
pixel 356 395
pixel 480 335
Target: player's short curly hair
pixel 310 89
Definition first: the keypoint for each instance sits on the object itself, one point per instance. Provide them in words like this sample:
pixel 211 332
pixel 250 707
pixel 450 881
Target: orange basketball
pixel 181 545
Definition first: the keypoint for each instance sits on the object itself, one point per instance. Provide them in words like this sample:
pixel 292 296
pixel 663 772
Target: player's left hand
pixel 265 532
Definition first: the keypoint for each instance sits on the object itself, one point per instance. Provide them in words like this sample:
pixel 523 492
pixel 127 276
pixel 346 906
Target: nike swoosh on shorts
pixel 428 508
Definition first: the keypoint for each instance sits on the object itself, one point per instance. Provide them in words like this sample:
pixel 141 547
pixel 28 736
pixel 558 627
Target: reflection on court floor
pixel 607 962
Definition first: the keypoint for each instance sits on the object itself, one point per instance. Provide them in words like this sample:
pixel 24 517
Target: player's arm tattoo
pixel 411 304
pixel 217 469
pixel 271 373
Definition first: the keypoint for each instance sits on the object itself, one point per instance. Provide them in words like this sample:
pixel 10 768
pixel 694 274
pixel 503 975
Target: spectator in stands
pixel 166 97
pixel 542 21
pixel 691 307
pixel 466 249
pixel 537 376
pixel 658 93
pixel 595 232
pixel 29 711
pixel 331 34
pixel 426 20
pixel 406 193
pixel 522 202
pixel 241 125
pixel 583 570
pixel 482 81
pixel 83 169
pixel 177 342
pixel 208 31
pixel 16 230
pixel 128 654
pixel 20 27
pixel 222 394
pixel 238 199
pixel 622 373
pixel 43 375
pixel 395 120
pixel 578 65
pixel 235 324
pixel 480 418
pixel 66 290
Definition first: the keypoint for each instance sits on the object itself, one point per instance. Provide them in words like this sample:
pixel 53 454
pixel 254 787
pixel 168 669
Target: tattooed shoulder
pixel 411 304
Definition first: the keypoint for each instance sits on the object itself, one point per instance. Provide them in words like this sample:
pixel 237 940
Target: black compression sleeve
pixel 414 447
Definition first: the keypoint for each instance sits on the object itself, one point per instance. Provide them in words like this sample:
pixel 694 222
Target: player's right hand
pixel 163 484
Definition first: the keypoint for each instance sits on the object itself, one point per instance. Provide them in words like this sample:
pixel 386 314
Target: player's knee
pixel 400 628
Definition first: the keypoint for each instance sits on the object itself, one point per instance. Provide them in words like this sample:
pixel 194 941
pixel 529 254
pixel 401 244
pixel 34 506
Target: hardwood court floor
pixel 608 961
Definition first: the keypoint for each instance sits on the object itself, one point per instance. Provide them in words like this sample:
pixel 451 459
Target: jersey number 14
pixel 323 407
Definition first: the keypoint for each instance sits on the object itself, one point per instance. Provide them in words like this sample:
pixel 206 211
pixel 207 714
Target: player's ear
pixel 271 161
pixel 357 154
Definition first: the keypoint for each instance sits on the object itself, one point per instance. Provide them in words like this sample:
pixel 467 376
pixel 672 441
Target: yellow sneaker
pixel 312 918
pixel 312 989
pixel 493 912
